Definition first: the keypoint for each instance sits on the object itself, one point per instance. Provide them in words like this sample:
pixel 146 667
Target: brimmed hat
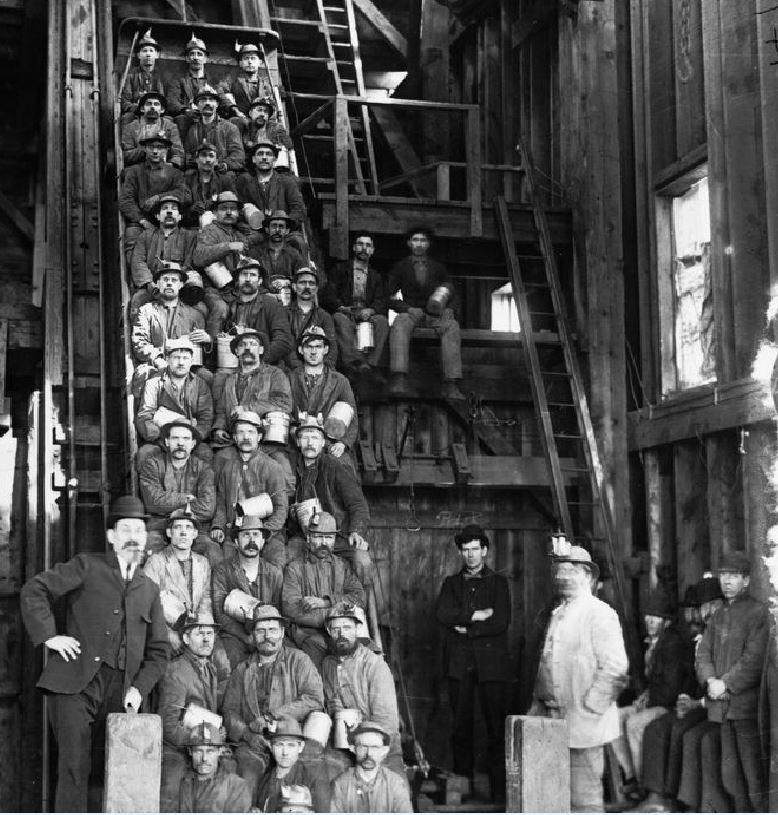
pixel 167 267
pixel 323 523
pixel 248 262
pixel 286 729
pixel 241 50
pixel 195 43
pixel 264 101
pixel 178 344
pixel 578 554
pixel 167 198
pixel 240 414
pixel 182 422
pixel 709 589
pixel 260 335
pixel 471 532
pixel 691 597
pixel 206 145
pixel 158 135
pixel 343 609
pixel 207 90
pixel 266 612
pixel 308 270
pixel 307 421
pixel 736 563
pixel 147 39
pixel 187 621
pixel 126 506
pixel 152 95
pixel 659 605
pixel 279 215
pixel 226 197
pixel 244 523
pixel 369 727
pixel 296 796
pixel 206 735
pixel 182 515
pixel 315 332
pixel 263 143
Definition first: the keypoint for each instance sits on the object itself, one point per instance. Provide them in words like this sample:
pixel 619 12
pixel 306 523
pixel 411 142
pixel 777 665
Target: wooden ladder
pixel 566 430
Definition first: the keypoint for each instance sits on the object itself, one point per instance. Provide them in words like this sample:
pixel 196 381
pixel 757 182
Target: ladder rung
pixel 556 373
pixel 338 26
pixel 530 257
pixel 543 314
pixel 561 404
pixel 574 469
pixel 335 8
pixel 568 437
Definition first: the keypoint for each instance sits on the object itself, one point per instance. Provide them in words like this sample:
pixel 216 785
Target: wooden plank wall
pixel 705 85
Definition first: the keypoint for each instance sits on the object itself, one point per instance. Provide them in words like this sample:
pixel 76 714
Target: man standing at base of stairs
pixel 428 301
pixel 474 606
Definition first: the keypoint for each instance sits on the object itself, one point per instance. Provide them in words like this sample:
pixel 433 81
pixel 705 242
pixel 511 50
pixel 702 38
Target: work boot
pixel 399 385
pixel 451 390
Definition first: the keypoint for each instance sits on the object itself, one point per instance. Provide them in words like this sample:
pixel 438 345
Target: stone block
pixel 537 762
pixel 133 762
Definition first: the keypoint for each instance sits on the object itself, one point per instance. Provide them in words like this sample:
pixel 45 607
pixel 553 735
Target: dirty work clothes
pixel 268 797
pixel 224 792
pixel 314 396
pixel 137 83
pixel 662 749
pixel 346 332
pixel 220 133
pixel 388 792
pixel 262 391
pixel 134 131
pixel 445 326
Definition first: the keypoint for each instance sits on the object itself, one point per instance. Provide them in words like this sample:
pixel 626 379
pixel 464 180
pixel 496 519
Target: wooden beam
pixel 339 236
pixel 3 352
pixel 18 219
pixel 474 191
pixel 538 14
pixel 403 151
pixel 310 121
pixel 384 27
pixel 713 410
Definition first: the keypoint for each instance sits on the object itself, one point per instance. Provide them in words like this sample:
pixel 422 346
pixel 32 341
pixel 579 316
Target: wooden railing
pixel 438 172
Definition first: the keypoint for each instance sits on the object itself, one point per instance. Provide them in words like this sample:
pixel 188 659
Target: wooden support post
pixel 691 523
pixel 473 149
pixel 443 181
pixel 3 350
pixel 339 235
pixel 389 463
pixel 533 745
pixel 462 470
pixel 659 513
pixel 369 466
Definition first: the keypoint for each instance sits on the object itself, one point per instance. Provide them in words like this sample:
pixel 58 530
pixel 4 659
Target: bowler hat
pixel 659 605
pixel 736 563
pixel 286 728
pixel 126 506
pixel 471 532
pixel 369 727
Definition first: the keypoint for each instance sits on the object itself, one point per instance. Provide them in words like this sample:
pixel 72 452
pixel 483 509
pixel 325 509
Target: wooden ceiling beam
pixel 378 19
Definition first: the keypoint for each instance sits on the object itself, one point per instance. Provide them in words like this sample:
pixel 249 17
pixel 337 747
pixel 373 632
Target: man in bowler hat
pixel 113 649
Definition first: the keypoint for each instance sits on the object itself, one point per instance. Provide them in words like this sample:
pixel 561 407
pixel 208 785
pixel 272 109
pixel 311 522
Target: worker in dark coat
pixel 305 313
pixel 355 293
pixel 474 607
pixel 152 106
pixel 182 92
pixel 260 125
pixel 208 786
pixel 286 744
pixel 114 649
pixel 428 301
pixel 197 677
pixel 205 184
pixel 251 82
pixel 209 127
pixel 669 671
pixel 142 78
pixel 244 570
pixel 280 260
pixel 729 664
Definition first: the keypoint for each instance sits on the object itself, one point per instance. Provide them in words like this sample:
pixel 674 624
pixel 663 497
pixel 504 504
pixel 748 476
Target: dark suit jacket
pixel 485 642
pixel 403 277
pixel 671 669
pixel 339 290
pixel 182 92
pixel 94 593
pixel 283 192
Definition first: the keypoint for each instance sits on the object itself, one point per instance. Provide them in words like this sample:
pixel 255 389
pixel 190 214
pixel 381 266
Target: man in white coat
pixel 582 668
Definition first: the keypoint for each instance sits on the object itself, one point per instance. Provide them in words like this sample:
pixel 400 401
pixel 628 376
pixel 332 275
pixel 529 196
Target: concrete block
pixel 133 762
pixel 537 762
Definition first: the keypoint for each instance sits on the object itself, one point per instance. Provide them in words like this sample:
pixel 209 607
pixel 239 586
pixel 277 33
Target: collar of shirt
pixel 126 568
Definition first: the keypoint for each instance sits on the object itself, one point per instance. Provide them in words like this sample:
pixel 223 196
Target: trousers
pixel 629 745
pixel 587 766
pixel 662 751
pixel 445 326
pixel 78 721
pixel 742 770
pixel 346 332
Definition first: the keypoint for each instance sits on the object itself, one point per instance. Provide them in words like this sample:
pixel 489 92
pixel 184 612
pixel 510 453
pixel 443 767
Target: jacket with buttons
pixel 95 595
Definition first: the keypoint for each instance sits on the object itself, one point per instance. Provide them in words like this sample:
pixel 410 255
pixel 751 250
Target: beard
pixel 344 648
pixel 367 763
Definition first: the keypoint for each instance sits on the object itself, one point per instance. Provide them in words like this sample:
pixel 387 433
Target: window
pixel 504 314
pixel 686 301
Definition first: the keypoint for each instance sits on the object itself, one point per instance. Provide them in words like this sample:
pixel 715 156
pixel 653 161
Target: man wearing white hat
pixel 244 571
pixel 370 786
pixel 208 786
pixel 286 744
pixel 274 683
pixel 196 678
pixel 583 666
pixel 142 78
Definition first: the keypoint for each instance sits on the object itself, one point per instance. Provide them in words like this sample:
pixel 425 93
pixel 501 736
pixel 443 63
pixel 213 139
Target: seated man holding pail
pixel 427 300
